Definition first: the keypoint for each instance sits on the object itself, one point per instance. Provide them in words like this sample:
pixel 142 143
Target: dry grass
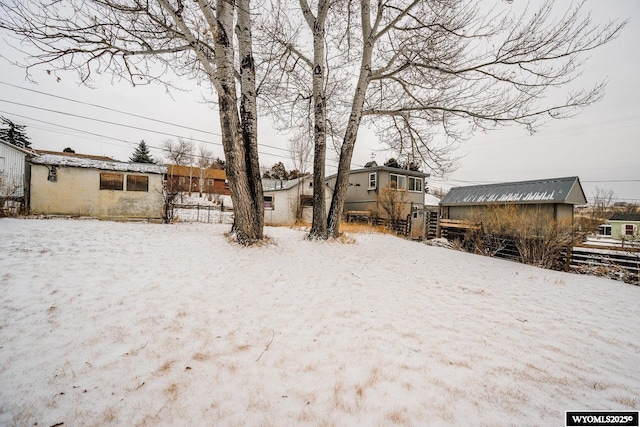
pixel 201 356
pixel 363 228
pixel 627 401
pixel 166 366
pixel 172 392
pixel 242 347
pixel 399 416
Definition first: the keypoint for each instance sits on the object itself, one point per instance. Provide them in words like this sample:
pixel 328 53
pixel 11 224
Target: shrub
pixel 538 237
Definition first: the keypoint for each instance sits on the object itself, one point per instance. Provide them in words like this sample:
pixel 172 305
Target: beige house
pixel 72 184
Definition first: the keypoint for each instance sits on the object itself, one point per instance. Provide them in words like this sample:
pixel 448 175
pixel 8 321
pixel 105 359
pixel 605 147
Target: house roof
pixel 194 171
pixel 625 217
pixel 26 151
pixel 554 190
pixel 373 167
pixel 281 184
pixel 83 156
pixel 83 162
pixel 431 200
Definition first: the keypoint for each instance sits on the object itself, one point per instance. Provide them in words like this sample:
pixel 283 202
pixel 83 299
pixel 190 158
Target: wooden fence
pixel 608 261
pixel 615 262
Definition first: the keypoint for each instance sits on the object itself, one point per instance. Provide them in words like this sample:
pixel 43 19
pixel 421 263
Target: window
pixel 2 164
pixel 399 182
pixel 604 230
pixel 268 202
pixel 629 229
pixel 373 181
pixel 306 200
pixel 182 180
pixel 111 181
pixel 210 181
pixel 137 183
pixel 415 184
pixel 226 183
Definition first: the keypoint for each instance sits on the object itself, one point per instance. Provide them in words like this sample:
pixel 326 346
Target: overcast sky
pixel 601 146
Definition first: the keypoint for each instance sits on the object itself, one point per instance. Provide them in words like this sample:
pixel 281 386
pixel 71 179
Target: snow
pixel 81 162
pixel 110 324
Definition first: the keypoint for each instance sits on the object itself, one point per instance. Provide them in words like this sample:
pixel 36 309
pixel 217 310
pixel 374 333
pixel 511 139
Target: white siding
pixel 12 163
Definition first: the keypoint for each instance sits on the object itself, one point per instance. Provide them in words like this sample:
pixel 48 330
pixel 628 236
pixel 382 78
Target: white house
pixel 13 176
pixel 287 202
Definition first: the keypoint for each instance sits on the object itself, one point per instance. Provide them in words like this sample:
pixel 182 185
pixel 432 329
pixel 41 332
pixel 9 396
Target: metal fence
pixel 210 214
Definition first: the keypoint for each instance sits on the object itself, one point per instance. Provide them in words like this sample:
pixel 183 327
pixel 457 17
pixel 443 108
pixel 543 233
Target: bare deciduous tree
pixel 427 74
pixel 178 152
pixel 149 41
pixel 301 150
pixel 204 160
pixel 602 200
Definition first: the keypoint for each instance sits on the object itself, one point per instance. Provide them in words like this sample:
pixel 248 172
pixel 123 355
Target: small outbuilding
pixel 78 185
pixel 625 226
pixel 287 202
pixel 14 176
pixel 554 197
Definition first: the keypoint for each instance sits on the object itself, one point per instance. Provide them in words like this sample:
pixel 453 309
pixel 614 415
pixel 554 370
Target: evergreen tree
pixel 277 171
pixel 142 154
pixel 14 134
pixel 219 163
pixel 392 163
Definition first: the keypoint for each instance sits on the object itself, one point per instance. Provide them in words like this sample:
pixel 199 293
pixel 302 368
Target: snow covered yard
pixel 107 323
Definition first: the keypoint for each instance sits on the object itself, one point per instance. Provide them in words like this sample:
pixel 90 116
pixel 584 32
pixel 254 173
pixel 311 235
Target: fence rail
pixel 613 262
pixel 202 213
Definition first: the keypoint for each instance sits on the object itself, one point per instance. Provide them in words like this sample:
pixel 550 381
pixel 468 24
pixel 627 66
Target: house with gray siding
pixel 366 185
pixel 555 197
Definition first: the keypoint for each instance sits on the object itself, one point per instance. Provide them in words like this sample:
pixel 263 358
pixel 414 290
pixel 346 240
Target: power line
pixel 133 115
pixel 114 138
pixel 127 126
pixel 109 109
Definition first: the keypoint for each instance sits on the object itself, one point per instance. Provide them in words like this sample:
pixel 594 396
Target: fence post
pixel 569 255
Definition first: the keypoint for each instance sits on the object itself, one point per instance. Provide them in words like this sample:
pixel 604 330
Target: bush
pixel 538 237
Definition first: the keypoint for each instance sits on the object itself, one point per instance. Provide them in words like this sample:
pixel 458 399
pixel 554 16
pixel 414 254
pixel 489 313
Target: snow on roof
pixel 81 162
pixel 280 184
pixel 555 190
pixel 431 200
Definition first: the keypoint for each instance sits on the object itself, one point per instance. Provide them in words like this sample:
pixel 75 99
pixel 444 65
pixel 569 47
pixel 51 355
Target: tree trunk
pixel 317 24
pixel 248 220
pixel 351 133
pixel 248 112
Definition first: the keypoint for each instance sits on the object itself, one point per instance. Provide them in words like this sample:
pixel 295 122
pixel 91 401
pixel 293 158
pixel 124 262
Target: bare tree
pixel 204 159
pixel 178 152
pixel 427 74
pixel 602 200
pixel 301 150
pixel 149 41
pixel 392 204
